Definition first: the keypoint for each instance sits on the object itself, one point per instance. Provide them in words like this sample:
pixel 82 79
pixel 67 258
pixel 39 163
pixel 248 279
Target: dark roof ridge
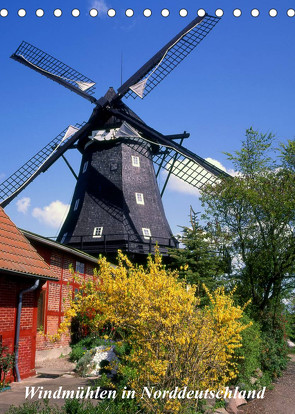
pixel 57 245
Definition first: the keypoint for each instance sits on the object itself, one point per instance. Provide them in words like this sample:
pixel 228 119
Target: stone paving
pixel 51 374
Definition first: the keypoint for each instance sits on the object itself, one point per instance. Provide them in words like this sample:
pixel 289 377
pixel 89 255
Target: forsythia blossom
pixel 172 340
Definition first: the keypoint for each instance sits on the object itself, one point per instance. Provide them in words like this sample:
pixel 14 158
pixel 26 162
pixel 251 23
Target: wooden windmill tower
pixel 116 201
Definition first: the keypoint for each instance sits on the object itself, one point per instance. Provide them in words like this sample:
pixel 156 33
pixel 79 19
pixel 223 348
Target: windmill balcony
pixel 129 243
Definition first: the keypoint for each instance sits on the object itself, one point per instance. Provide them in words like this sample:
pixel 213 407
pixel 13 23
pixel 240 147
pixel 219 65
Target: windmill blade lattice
pixel 54 69
pixel 185 168
pixel 188 170
pixel 14 184
pixel 176 151
pixel 168 59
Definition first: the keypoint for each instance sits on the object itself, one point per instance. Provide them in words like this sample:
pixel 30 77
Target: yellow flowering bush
pixel 173 343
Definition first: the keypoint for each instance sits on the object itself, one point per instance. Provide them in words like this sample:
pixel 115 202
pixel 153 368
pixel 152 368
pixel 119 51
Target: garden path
pixel 279 400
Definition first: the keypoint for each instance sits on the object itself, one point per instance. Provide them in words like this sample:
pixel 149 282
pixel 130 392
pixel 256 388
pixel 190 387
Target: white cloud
pixel 53 215
pixel 180 186
pixel 23 204
pixel 216 163
pixel 100 6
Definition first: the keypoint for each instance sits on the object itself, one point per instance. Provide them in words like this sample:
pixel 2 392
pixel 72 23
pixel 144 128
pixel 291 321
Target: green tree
pixel 201 259
pixel 288 155
pixel 255 212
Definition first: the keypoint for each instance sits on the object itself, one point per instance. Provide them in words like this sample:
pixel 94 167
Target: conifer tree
pixel 200 259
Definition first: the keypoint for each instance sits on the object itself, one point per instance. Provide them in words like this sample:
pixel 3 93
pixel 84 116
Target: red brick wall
pixel 56 300
pixel 10 287
pixel 58 294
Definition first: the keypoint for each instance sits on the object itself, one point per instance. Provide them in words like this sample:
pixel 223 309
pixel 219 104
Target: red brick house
pixel 55 295
pixel 25 258
pixel 21 269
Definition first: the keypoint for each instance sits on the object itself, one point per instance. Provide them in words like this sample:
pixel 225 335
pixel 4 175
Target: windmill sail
pixel 203 171
pixel 54 69
pixel 171 156
pixel 139 87
pixel 117 202
pixel 163 62
pixel 84 86
pixel 14 184
pixel 192 169
pixel 188 170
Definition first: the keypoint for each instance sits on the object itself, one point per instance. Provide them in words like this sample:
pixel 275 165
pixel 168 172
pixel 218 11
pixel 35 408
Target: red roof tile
pixel 16 252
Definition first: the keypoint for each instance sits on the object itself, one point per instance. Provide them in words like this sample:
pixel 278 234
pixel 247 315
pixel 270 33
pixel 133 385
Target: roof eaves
pixel 29 275
pixel 60 246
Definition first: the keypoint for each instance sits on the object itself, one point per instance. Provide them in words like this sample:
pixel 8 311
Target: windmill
pixel 117 202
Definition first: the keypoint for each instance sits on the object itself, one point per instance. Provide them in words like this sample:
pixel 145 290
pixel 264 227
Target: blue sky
pixel 241 75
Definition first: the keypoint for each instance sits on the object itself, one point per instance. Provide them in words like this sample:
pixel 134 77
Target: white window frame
pixel 97 232
pixel 148 231
pixel 85 166
pixel 63 238
pixel 76 204
pixel 139 198
pixel 135 161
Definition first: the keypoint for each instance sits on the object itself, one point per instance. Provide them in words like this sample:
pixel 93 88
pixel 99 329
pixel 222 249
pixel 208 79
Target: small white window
pixel 85 166
pixel 76 204
pixel 97 232
pixel 63 237
pixel 135 161
pixel 146 233
pixel 80 267
pixel 139 198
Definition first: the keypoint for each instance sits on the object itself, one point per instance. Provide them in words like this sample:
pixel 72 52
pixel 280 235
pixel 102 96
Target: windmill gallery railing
pixel 131 243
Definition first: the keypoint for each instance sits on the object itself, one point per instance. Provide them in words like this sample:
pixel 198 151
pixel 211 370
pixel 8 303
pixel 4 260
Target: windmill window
pixel 113 166
pixel 97 232
pixel 139 198
pixel 85 166
pixel 63 237
pixel 135 161
pixel 80 267
pixel 146 233
pixel 76 204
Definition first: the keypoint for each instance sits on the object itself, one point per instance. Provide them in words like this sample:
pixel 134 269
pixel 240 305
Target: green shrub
pixel 83 364
pixel 6 364
pixel 264 347
pixel 249 353
pixel 118 406
pixel 290 315
pixel 90 342
pixel 274 356
pixel 81 352
pixel 122 349
pixel 34 408
pixel 76 353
